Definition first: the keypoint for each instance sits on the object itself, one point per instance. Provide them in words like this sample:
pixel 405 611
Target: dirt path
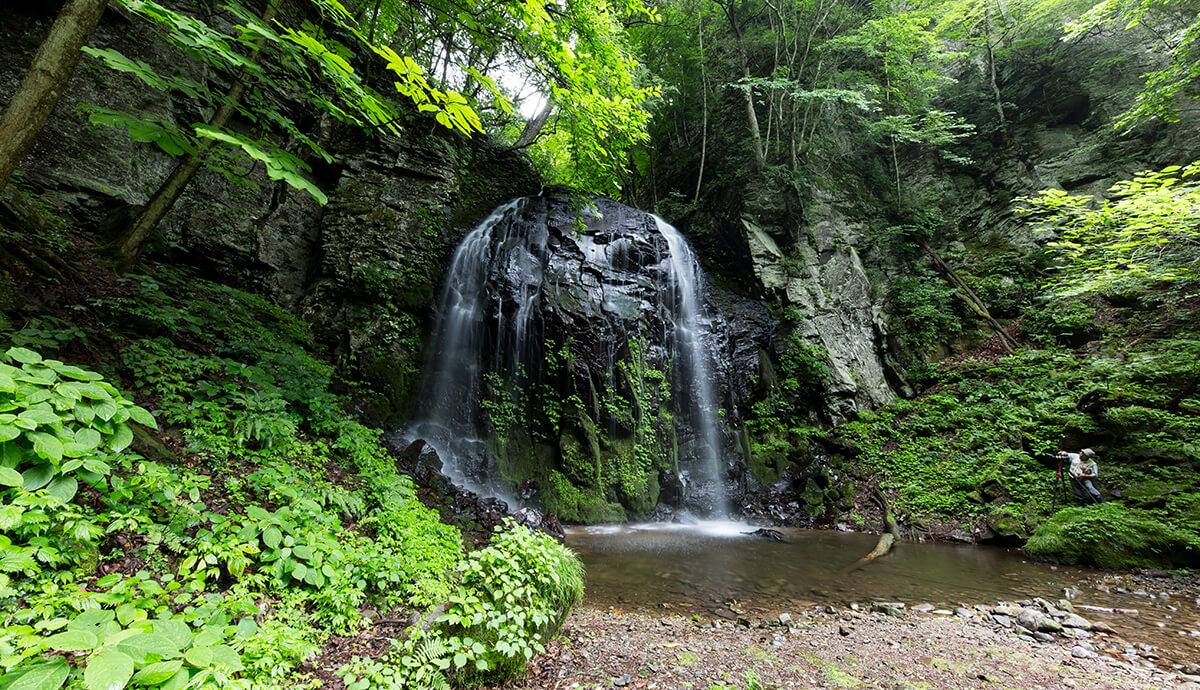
pixel 831 648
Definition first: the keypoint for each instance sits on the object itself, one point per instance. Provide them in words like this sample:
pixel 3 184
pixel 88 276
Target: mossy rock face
pixel 1112 535
pixel 575 505
pixel 1008 526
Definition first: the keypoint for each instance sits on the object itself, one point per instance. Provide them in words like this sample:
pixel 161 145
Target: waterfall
pixel 541 274
pixel 693 370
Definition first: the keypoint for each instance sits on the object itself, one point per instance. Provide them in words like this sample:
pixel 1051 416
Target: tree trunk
pixel 129 246
pixel 991 58
pixel 967 295
pixel 704 126
pixel 533 128
pixel 30 108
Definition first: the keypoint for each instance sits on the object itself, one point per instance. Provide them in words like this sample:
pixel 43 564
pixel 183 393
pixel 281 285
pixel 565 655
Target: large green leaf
pixel 47 447
pixel 63 488
pixel 156 674
pixel 7 385
pixel 121 439
pixel 37 476
pixel 146 647
pixel 49 675
pixel 199 657
pixel 23 355
pixel 108 670
pixel 175 630
pixel 141 416
pixel 88 438
pixel 8 432
pixel 73 641
pixel 10 477
pixel 40 415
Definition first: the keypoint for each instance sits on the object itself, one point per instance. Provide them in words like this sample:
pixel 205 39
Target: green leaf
pixel 10 477
pixel 178 681
pixel 91 619
pixel 88 438
pixel 108 670
pixel 175 630
pixel 199 657
pixel 299 571
pixel 145 647
pixel 156 674
pixel 141 416
pixel 38 476
pixel 225 655
pixel 73 641
pixel 63 488
pixel 41 416
pixel 121 440
pixel 8 432
pixel 127 613
pixel 105 409
pixel 7 385
pixel 47 447
pixel 90 390
pixel 24 356
pixel 49 675
pixel 272 537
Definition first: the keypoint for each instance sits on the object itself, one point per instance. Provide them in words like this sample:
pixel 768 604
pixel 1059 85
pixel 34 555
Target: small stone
pixel 1073 621
pixel 622 681
pixel 785 618
pixel 1066 605
pixel 923 608
pixel 845 630
pixel 1004 621
pixel 888 608
pixel 1081 653
pixel 964 613
pixel 942 612
pixel 1102 627
pixel 1042 637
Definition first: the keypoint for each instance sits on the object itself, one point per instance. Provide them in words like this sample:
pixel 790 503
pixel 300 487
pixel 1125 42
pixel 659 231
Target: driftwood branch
pixel 891 535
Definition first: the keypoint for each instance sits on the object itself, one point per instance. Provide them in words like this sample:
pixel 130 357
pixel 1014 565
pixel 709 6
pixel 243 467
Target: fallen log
pixel 887 540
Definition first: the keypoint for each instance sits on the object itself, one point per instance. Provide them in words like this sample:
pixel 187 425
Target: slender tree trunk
pixel 968 296
pixel 533 128
pixel 760 159
pixel 129 246
pixel 704 101
pixel 991 58
pixel 30 108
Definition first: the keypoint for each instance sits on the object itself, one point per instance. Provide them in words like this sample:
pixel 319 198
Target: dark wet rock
pixel 767 533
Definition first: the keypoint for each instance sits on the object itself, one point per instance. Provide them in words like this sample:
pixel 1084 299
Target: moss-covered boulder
pixel 1112 535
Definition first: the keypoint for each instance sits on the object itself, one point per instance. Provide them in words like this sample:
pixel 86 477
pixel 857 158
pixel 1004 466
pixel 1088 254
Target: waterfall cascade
pixel 572 349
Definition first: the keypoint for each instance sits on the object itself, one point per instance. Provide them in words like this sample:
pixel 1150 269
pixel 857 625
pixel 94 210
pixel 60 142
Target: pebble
pixel 1081 653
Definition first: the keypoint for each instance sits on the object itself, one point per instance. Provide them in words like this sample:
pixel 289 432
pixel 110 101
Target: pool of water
pixel 716 569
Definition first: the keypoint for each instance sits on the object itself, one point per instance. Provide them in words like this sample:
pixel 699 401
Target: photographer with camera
pixel 1082 471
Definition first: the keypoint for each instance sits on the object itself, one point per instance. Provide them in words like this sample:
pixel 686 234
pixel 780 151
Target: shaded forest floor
pixel 845 648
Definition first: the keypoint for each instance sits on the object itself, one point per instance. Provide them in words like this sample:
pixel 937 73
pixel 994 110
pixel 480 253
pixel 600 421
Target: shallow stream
pixel 715 569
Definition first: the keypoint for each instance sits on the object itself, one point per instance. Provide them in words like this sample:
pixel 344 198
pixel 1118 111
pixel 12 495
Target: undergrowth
pixel 221 540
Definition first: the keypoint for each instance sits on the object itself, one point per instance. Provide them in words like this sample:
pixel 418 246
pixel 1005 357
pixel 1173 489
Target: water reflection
pixel 715 568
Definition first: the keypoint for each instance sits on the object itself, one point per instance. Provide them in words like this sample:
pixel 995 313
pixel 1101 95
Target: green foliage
pixel 1114 536
pixel 59 424
pixel 481 638
pixel 305 62
pixel 1143 234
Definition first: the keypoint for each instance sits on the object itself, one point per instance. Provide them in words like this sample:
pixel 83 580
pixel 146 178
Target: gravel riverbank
pixel 828 647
